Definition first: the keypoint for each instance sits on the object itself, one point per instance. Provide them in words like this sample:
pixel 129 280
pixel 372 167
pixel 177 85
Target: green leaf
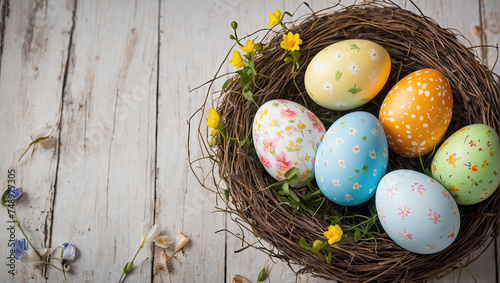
pixel 303 243
pixel 294 197
pixel 294 180
pixel 338 75
pixel 350 179
pixel 363 138
pixel 356 170
pixel 226 192
pixel 286 188
pixel 354 89
pixel 226 83
pixel 357 235
pixel 299 140
pixel 288 59
pixel 365 167
pixel 4 196
pixel 292 171
pixel 248 95
pixel 355 47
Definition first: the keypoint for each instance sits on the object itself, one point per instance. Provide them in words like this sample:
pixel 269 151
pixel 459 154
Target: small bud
pixel 212 141
pixel 231 37
pixel 258 46
pixel 127 268
pixel 234 25
pixel 317 245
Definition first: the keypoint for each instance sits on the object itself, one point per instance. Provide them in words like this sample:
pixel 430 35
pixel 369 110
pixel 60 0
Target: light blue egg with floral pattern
pixel 351 159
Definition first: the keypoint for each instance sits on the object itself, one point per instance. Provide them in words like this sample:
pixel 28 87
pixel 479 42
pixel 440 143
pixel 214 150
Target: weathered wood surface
pixel 116 75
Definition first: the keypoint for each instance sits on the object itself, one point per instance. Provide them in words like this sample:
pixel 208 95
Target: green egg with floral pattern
pixel 467 164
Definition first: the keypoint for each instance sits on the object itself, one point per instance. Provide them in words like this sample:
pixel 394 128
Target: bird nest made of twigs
pixel 414 42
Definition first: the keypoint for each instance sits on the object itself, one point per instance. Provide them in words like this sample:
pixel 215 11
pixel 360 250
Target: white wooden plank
pixel 186 40
pixel 105 181
pixel 34 56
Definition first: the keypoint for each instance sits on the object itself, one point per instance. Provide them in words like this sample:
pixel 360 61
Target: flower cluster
pixel 23 249
pixel 162 241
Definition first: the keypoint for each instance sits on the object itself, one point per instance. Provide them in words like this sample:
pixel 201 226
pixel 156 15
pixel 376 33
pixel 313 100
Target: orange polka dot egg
pixel 416 112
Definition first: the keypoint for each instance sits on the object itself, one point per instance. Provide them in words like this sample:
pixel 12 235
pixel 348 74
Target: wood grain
pixel 117 75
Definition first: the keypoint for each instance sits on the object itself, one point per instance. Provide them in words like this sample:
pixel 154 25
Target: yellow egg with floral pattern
pixel 347 74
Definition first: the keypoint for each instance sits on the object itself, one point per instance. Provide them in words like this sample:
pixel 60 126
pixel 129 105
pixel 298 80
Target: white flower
pixel 374 132
pixel 348 197
pixel 338 55
pixel 181 242
pixel 339 141
pixel 328 87
pixel 336 182
pixel 355 149
pixel 321 178
pixel 385 152
pixel 373 54
pixel 356 186
pixel 150 235
pixel 317 65
pixel 373 77
pixel 373 154
pixel 353 68
pixel 374 172
pixel 342 163
pixel 340 104
pixel 352 131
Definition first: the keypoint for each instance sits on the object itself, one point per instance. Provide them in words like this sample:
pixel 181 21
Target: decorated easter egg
pixel 467 164
pixel 286 135
pixel 417 212
pixel 416 112
pixel 347 74
pixel 351 159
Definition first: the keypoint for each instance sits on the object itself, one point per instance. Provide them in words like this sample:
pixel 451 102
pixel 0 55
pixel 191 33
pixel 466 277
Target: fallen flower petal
pixel 182 241
pixel 163 241
pixel 236 278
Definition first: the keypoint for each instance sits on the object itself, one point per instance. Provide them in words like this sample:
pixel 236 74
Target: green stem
pixel 16 221
pixel 24 152
pixel 122 278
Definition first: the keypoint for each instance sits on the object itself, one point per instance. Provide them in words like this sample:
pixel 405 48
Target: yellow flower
pixel 334 234
pixel 249 46
pixel 213 121
pixel 274 18
pixel 237 60
pixel 291 41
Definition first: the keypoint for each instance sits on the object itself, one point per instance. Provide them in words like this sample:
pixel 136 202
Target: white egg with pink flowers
pixel 285 135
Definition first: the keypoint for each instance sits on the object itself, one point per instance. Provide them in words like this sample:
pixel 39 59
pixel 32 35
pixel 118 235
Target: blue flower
pixel 20 248
pixel 15 194
pixel 69 251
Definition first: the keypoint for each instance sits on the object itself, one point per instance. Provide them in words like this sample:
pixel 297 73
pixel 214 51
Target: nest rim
pixel 402 33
